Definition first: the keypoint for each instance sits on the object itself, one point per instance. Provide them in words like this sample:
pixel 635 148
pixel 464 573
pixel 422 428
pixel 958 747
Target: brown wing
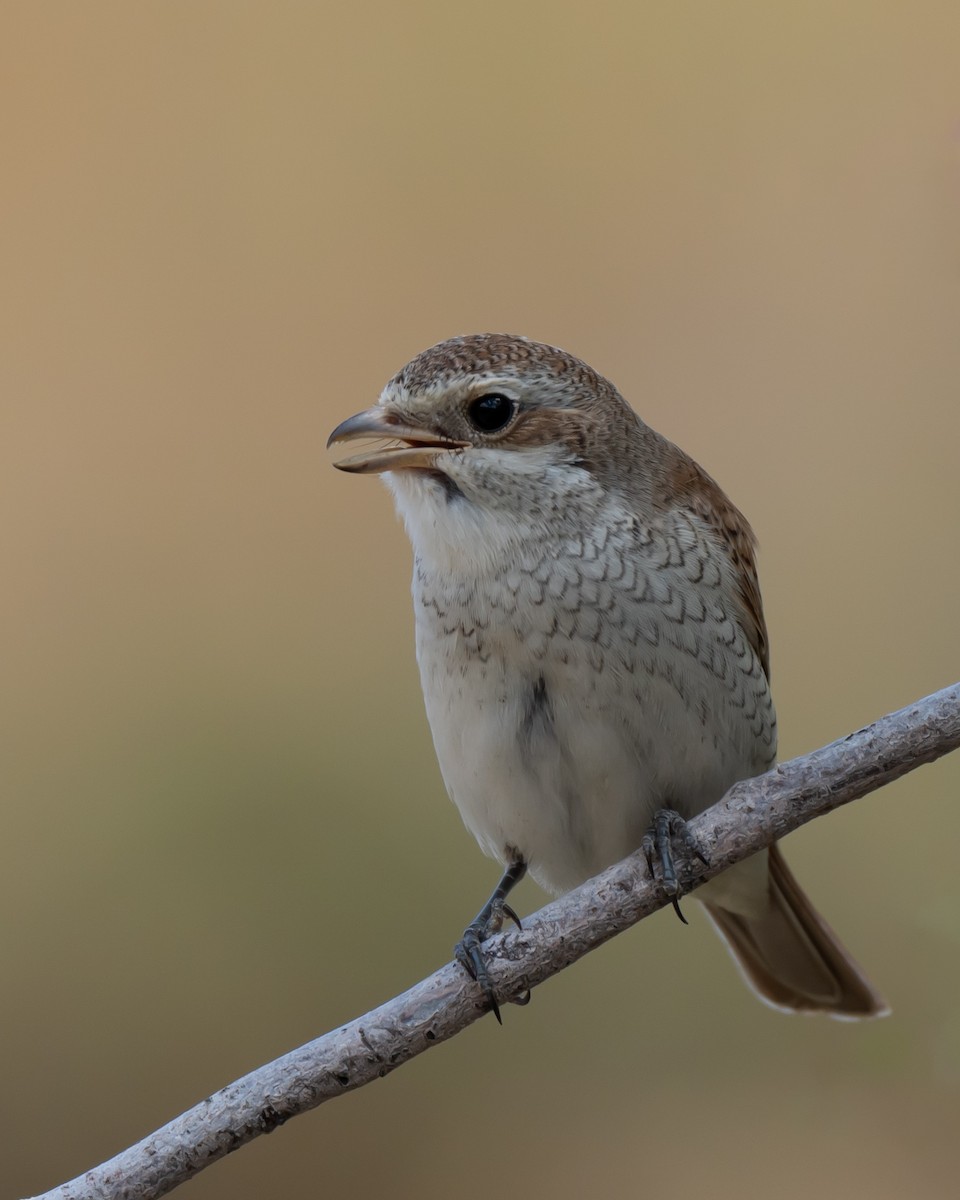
pixel 690 486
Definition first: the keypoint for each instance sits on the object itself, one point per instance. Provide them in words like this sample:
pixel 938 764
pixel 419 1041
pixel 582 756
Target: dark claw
pixel 508 912
pixel 469 954
pixel 469 950
pixel 657 846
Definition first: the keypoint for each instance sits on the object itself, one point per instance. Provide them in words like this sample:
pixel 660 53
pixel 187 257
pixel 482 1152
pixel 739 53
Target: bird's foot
pixel 469 950
pixel 657 846
pixel 488 921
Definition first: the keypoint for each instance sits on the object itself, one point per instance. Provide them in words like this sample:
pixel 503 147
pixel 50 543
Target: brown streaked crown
pixel 483 353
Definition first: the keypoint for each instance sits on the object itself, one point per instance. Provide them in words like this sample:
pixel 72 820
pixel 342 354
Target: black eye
pixel 491 413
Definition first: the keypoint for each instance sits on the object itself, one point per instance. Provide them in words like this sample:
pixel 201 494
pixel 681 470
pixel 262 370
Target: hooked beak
pixel 417 448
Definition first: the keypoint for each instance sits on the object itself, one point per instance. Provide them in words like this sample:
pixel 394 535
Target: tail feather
pixel 791 957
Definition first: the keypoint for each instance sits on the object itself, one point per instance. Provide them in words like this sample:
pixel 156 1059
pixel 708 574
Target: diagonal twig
pixel 753 814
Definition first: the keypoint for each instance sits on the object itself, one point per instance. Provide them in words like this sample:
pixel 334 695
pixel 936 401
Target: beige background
pixel 224 226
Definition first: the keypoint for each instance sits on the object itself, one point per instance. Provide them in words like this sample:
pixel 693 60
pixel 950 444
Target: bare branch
pixel 751 816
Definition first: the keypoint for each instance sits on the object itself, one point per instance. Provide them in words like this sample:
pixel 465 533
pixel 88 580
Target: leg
pixel 657 845
pixel 469 950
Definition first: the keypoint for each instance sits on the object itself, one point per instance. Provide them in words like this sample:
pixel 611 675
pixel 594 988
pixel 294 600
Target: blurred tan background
pixel 224 226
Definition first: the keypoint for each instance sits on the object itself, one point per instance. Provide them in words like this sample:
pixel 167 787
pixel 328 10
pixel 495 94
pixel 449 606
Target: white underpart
pixel 579 672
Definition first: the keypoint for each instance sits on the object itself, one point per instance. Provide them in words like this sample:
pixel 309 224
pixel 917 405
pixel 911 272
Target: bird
pixel 591 644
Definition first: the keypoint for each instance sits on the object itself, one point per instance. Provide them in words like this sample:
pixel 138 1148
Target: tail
pixel 787 952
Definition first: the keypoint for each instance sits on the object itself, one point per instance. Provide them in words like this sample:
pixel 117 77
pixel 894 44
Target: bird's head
pixel 493 428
